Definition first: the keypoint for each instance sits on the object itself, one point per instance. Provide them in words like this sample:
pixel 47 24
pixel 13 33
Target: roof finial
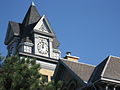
pixel 33 4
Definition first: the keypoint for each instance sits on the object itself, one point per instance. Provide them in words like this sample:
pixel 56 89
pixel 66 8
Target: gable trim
pixel 105 66
pixel 115 56
pixel 40 22
pixel 71 71
pixel 110 80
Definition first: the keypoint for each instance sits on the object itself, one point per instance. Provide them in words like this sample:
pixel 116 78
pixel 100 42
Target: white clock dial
pixel 42 46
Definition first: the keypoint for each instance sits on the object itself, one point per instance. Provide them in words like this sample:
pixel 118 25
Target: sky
pixel 89 29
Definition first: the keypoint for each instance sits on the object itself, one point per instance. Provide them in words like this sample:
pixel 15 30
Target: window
pixel 72 87
pixel 51 77
pixel 27 49
pixel 45 78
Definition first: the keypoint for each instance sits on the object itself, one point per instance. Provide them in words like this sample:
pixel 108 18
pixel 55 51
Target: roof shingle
pixel 31 16
pixel 112 70
pixel 84 71
pixel 109 69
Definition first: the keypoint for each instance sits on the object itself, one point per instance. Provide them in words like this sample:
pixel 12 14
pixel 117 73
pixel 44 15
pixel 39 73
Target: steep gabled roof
pixel 31 16
pixel 82 70
pixel 112 69
pixel 65 73
pixel 108 69
pixel 98 71
pixel 13 30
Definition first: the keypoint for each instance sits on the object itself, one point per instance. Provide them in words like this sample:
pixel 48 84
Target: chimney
pixel 70 57
pixel 68 53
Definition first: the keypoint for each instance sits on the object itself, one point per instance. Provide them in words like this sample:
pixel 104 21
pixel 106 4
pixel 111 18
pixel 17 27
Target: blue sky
pixel 90 29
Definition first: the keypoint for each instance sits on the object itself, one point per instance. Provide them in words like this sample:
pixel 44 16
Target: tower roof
pixel 12 31
pixel 31 16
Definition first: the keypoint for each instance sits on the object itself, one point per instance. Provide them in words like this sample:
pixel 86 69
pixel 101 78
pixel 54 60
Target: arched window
pixel 72 85
pixel 64 88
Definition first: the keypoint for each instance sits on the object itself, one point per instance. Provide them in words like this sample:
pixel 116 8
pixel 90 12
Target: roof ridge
pixel 114 56
pixel 79 62
pixel 14 22
pixel 77 69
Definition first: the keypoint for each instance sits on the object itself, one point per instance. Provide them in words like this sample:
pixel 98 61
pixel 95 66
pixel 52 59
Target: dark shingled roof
pixel 98 71
pixel 25 31
pixel 109 69
pixel 13 30
pixel 84 71
pixel 112 69
pixel 15 27
pixel 31 16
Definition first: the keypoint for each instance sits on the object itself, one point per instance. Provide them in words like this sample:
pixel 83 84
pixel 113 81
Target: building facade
pixel 34 38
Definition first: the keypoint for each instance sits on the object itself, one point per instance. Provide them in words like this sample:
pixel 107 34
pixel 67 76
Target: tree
pixel 23 74
pixel 1 59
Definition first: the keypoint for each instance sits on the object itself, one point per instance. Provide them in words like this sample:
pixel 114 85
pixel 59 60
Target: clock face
pixel 42 46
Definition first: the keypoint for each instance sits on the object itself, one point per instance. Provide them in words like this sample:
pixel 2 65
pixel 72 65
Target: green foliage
pixel 19 74
pixel 1 57
pixel 23 74
pixel 54 85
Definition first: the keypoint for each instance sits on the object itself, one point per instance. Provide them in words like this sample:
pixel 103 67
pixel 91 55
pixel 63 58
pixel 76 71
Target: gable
pixel 109 69
pixel 112 70
pixel 82 70
pixel 66 74
pixel 43 26
pixel 97 73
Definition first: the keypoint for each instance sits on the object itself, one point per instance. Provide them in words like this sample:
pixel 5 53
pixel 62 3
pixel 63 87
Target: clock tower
pixel 34 38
